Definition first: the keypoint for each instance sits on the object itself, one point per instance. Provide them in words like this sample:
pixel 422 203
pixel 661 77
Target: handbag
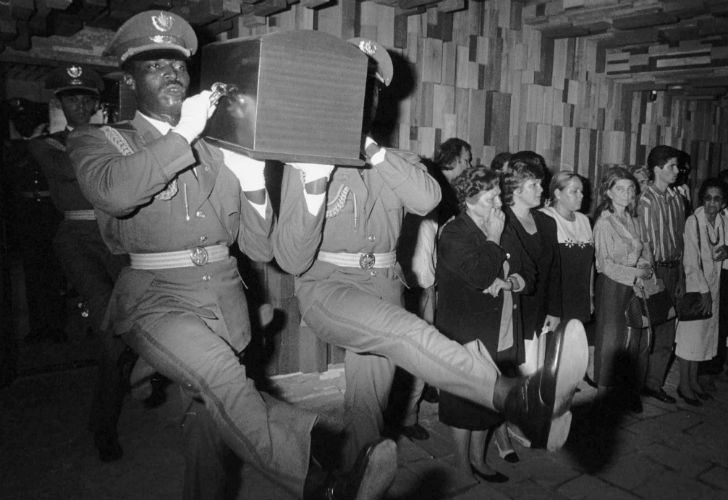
pixel 645 310
pixel 688 307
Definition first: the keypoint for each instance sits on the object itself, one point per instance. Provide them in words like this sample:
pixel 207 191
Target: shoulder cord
pixel 56 144
pixel 123 146
pixel 118 140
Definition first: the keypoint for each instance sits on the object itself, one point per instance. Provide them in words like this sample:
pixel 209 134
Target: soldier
pixel 176 203
pixel 33 224
pixel 86 261
pixel 343 251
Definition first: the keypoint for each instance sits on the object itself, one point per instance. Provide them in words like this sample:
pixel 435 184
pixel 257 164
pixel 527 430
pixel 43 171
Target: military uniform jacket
pixel 156 193
pixel 50 153
pixel 363 213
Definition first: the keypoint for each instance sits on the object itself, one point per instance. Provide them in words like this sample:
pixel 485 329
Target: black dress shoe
pixel 371 476
pixel 108 447
pixel 415 432
pixel 704 395
pixel 590 382
pixel 496 477
pixel 539 404
pixel 659 395
pixel 511 457
pixel 634 404
pixel 690 401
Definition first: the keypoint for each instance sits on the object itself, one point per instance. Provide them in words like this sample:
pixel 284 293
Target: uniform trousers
pixel 664 335
pixel 35 224
pixel 92 270
pixel 362 313
pixel 179 327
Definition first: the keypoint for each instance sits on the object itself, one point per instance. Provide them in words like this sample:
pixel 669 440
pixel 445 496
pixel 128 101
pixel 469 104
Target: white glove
pixel 373 151
pixel 193 118
pixel 248 171
pixel 313 171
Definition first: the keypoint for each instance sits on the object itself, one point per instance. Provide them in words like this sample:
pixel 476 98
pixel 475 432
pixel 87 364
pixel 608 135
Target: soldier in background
pixel 32 223
pixel 85 259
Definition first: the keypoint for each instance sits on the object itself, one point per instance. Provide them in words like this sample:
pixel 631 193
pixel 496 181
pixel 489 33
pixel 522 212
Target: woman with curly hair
pixel 521 194
pixel 481 272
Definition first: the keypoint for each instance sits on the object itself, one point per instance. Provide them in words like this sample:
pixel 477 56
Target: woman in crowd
pixel 481 272
pixel 621 259
pixel 642 174
pixel 576 244
pixel 705 251
pixel 536 232
pixel 500 162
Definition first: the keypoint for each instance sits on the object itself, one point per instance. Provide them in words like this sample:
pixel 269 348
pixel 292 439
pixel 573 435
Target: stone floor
pixel 669 451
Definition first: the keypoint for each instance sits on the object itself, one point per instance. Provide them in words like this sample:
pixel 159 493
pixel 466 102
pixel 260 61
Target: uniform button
pixel 200 214
pixel 203 238
pixel 206 277
pixel 35 181
pixel 207 169
pixel 371 237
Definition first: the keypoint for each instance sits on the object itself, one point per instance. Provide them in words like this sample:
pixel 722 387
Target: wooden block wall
pixel 480 74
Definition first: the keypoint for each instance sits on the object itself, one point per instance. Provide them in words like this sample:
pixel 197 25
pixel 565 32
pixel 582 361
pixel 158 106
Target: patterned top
pixel 662 221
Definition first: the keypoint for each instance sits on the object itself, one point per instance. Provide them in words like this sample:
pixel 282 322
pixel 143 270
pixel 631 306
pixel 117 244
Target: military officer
pixel 176 203
pixel 343 250
pixel 33 223
pixel 86 261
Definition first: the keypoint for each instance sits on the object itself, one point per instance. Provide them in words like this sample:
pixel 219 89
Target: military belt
pixel 198 256
pixel 366 261
pixel 79 215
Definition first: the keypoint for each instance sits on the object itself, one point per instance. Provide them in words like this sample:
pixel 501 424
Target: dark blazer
pixel 546 296
pixel 468 264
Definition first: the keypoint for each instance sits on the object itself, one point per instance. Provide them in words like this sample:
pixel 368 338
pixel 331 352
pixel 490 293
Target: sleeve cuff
pixel 314 202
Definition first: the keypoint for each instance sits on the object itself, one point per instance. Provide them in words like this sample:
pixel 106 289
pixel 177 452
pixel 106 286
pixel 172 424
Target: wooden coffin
pixel 294 96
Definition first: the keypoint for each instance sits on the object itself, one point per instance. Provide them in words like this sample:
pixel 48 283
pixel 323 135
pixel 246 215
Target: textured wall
pixel 481 75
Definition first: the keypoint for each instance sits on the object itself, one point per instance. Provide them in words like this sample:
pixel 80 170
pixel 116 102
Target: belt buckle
pixel 367 261
pixel 199 256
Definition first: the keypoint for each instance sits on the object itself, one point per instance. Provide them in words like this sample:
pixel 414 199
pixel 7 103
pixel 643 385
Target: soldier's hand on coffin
pixel 194 115
pixel 248 171
pixel 371 148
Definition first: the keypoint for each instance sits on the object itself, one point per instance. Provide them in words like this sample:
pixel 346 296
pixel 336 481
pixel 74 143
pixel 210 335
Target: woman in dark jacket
pixel 481 271
pixel 537 233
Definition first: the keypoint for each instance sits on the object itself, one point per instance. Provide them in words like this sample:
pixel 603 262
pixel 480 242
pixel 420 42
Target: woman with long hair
pixel 621 259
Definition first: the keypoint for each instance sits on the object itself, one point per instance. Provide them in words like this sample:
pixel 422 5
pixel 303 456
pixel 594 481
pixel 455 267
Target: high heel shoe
pixel 508 454
pixel 690 401
pixel 496 477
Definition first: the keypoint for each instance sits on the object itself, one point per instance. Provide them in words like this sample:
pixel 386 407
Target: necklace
pixel 708 227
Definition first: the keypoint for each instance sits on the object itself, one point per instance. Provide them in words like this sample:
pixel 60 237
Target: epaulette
pixel 124 125
pixel 54 143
